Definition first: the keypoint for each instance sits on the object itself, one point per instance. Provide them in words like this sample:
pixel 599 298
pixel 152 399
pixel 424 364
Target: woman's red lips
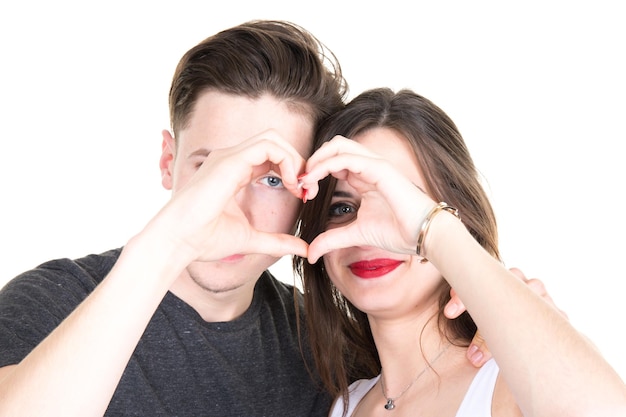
pixel 374 268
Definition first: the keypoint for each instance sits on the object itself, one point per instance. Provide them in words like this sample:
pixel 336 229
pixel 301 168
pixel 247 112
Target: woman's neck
pixel 407 346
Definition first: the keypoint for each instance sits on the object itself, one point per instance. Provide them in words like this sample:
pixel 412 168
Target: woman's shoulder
pixel 362 386
pixel 503 403
pixel 489 395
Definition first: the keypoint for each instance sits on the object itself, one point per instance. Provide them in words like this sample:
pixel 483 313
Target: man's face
pixel 220 121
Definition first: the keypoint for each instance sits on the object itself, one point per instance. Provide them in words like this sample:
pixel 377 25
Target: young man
pixel 184 319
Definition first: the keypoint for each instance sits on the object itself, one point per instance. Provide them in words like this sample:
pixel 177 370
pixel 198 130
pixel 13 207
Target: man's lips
pixel 373 268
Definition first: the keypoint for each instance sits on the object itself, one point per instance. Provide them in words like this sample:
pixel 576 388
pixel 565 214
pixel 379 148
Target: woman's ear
pixel 166 163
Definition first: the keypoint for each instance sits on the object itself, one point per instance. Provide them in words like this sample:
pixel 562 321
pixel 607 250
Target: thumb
pixel 318 248
pixel 518 273
pixel 330 240
pixel 455 307
pixel 277 244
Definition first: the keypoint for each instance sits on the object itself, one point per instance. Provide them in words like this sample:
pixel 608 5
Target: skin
pixel 228 193
pixel 400 299
pixel 233 175
pixel 264 203
pixel 543 360
pixel 381 294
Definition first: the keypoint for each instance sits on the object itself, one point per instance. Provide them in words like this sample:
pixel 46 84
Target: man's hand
pixel 478 352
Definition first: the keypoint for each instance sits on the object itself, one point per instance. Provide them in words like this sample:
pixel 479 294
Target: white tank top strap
pixel 357 390
pixel 479 396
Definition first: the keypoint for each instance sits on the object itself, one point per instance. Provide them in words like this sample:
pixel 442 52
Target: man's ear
pixel 166 163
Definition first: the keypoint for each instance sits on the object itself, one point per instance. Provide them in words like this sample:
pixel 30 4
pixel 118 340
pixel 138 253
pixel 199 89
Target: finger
pixel 276 244
pixel 318 248
pixel 518 273
pixel 337 145
pixel 333 239
pixel 538 287
pixel 340 167
pixel 338 157
pixel 534 284
pixel 286 162
pixel 226 171
pixel 270 147
pixel 478 353
pixel 455 307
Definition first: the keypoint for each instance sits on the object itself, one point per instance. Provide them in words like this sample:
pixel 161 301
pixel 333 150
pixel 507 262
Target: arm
pixel 75 370
pixel 478 352
pixel 545 361
pixel 550 367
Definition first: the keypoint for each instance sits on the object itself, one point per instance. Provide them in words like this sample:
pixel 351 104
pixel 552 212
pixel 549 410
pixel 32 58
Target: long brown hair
pixel 341 338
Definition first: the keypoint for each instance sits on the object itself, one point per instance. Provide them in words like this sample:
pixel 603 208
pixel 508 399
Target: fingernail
pixel 304 195
pixel 475 355
pixel 476 358
pixel 452 309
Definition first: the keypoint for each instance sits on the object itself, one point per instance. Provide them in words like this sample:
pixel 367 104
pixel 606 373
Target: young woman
pixel 405 219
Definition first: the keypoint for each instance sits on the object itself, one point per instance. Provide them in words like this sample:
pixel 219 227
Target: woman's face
pixel 378 282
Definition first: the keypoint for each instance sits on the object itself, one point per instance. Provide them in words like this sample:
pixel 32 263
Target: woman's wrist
pixel 441 209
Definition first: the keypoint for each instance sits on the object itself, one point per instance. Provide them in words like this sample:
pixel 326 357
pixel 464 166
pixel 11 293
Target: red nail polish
pixel 304 190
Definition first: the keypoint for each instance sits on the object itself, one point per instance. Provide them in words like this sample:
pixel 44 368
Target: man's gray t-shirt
pixel 182 366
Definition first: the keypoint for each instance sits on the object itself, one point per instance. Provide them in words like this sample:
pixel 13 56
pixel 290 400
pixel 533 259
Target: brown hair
pixel 340 334
pixel 257 57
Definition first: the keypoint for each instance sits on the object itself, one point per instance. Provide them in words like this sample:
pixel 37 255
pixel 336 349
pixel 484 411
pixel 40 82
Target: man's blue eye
pixel 272 181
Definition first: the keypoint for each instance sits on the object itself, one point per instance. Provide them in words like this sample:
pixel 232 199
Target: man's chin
pixel 234 268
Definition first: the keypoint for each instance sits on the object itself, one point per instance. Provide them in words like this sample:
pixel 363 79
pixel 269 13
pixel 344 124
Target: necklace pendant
pixel 390 405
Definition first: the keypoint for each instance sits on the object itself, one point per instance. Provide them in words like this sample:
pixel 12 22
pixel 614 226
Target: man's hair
pixel 260 57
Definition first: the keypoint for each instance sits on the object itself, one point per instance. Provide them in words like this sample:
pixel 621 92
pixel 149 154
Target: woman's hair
pixel 343 346
pixel 255 58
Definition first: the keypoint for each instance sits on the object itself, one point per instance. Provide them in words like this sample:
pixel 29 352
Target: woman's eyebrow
pixel 343 194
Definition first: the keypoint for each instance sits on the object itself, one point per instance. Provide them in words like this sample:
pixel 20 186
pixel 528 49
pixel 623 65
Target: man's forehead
pixel 223 120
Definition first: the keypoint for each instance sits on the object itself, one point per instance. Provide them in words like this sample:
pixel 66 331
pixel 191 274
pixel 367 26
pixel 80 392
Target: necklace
pixel 390 405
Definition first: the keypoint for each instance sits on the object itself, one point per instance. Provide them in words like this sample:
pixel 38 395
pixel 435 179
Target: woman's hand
pixel 478 352
pixel 385 200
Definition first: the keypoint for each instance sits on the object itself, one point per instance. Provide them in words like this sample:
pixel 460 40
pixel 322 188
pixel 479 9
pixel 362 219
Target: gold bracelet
pixel 426 225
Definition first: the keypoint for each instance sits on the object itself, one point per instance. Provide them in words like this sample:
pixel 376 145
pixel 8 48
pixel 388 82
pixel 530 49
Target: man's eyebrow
pixel 200 152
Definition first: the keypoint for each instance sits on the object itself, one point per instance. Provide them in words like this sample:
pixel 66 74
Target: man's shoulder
pixel 100 264
pixel 87 271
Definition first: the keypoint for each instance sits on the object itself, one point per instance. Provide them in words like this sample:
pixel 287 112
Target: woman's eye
pixel 341 213
pixel 272 181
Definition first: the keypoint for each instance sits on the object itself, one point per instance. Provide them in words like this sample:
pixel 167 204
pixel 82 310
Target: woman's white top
pixel 476 403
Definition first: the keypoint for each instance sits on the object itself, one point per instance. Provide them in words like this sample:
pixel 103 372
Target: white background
pixel 537 89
